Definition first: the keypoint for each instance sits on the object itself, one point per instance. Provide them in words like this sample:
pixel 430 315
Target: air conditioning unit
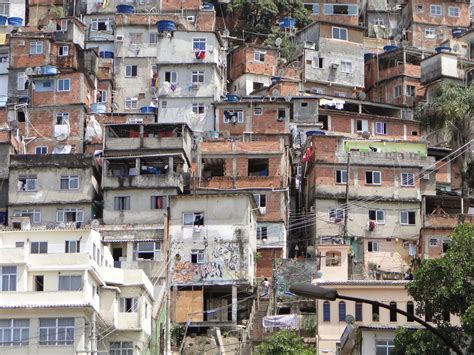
pixel 119 38
pixel 135 120
pixel 334 65
pixel 426 176
pixel 21 43
pixel 195 86
pixel 263 210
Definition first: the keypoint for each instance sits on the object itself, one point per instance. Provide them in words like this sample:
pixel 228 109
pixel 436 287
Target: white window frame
pixel 95 24
pixel 41 246
pixel 436 10
pixel 405 215
pixel 430 33
pixel 131 103
pixel 72 246
pixel 129 71
pixel 9 278
pixel 346 66
pixel 63 82
pixel 21 81
pixel 240 116
pixel 453 11
pixel 41 150
pixel 198 107
pixel 317 62
pixel 35 214
pixel 123 305
pixel 121 348
pixel 258 201
pixel 63 117
pixel 335 212
pixel 194 214
pixel 5 9
pixel 200 258
pixel 364 124
pixel 339 32
pixel 259 56
pixel 198 43
pixel 405 179
pixel 36 47
pixel 397 91
pixel 379 21
pixel 379 216
pixel 314 7
pixel 408 92
pixel 31 183
pixel 70 281
pixel 343 177
pixel 124 203
pixel 384 344
pixel 71 179
pixel 197 76
pixel 61 215
pixel 380 127
pixel 375 246
pixel 262 232
pixel 14 332
pixel 171 75
pixel 103 96
pixel 156 250
pixel 374 173
pixel 57 335
pixel 64 49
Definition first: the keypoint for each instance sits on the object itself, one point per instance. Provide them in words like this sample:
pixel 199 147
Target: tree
pixel 441 287
pixel 260 16
pixel 451 110
pixel 285 343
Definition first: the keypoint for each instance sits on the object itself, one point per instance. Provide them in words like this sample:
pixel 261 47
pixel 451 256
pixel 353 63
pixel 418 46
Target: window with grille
pixel 407 218
pixel 408 179
pixel 380 128
pixel 121 203
pixel 34 215
pixel 63 51
pixel 121 348
pixel 199 44
pixel 342 311
pixel 128 304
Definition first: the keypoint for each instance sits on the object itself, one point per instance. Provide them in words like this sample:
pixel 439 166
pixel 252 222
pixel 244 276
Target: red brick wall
pixel 265 263
pixel 20 55
pixel 174 5
pixel 242 60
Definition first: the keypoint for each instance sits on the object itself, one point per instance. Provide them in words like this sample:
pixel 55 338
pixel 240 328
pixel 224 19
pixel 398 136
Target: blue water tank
pixel 315 133
pixel 98 108
pixel 390 48
pixel 23 100
pixel 3 20
pixel 148 109
pixel 166 26
pixel 49 70
pixel 232 98
pixel 207 6
pixel 125 9
pixel 443 49
pixel 106 54
pixel 15 21
pixel 275 79
pixel 368 56
pixel 458 31
pixel 287 22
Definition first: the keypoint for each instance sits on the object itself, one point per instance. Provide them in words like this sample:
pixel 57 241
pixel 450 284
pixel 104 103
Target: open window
pixel 258 167
pixel 27 183
pixel 324 120
pixel 147 251
pixel 333 258
pixel 193 219
pixel 213 167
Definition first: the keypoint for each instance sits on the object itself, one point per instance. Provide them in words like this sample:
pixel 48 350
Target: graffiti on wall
pixel 286 272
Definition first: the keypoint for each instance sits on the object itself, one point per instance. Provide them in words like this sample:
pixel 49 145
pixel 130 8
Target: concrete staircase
pixel 257 333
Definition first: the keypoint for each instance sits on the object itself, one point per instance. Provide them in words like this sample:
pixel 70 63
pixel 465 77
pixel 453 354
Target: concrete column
pixel 170 165
pixel 137 165
pixel 234 304
pixel 175 296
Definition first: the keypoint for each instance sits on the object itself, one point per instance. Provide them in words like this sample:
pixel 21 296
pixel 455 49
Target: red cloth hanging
pixel 307 155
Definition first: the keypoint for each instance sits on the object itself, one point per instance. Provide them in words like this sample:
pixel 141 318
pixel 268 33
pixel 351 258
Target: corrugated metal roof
pixel 362 282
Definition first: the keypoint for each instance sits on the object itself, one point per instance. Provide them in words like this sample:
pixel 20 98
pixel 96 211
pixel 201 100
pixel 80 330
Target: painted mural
pixel 286 272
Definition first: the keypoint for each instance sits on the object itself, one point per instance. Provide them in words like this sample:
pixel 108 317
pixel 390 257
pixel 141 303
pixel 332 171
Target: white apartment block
pixel 59 294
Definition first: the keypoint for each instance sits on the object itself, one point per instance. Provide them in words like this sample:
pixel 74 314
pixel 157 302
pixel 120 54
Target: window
pixel 380 128
pixel 281 114
pixel 377 215
pixel 393 311
pixel 313 8
pixel 36 47
pixel 383 347
pixel 62 118
pixel 430 33
pixel 333 9
pixel 258 111
pixel 102 96
pixel 27 183
pixel 61 25
pixel 258 167
pixel 147 251
pixel 411 311
pixel 379 22
pixel 4 9
pixel 373 178
pixel 70 182
pixel 19 244
pixel 197 77
pixel 130 71
pixel 317 62
pixel 197 256
pixel 341 176
pixel 22 82
pixel 408 179
pixel 8 278
pixel 3 56
pixel 260 200
pixel 407 218
pixel 397 91
pixel 153 38
pixel 346 66
pixel 66 215
pixel 158 202
pixel 128 304
pixel 63 51
pixel 333 258
pixel 171 77
pixel 131 103
pixel 72 246
pixel 233 116
pixel 342 311
pixel 164 104
pixel 121 348
pixel 64 85
pixel 358 311
pixel 326 311
pixel 362 125
pixel 135 38
pixel 193 219
pixel 262 233
pixel 375 313
pixel 190 18
pixel 35 215
pixel 39 283
pixel 199 109
pixel 372 246
pixel 121 203
pixel 339 33
pixel 101 24
pixel 410 90
pixel 199 44
pixel 259 56
pixel 436 10
pixel 433 242
pixel 14 332
pixel 336 215
pixel 70 283
pixel 257 85
pixel 41 150
pixel 56 331
pixel 419 8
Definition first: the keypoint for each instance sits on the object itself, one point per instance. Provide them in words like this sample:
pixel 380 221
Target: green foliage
pixel 260 16
pixel 287 47
pixel 177 335
pixel 284 343
pixel 444 286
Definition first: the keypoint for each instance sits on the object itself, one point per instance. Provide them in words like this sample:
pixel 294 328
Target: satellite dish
pixel 278 42
pixel 38 70
pixel 29 71
pixel 50 225
pixel 350 319
pixel 366 134
pixel 361 95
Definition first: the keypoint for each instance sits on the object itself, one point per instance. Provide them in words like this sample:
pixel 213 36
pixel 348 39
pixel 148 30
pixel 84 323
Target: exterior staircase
pixel 257 333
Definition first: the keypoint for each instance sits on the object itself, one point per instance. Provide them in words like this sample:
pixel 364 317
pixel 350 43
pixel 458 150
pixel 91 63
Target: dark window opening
pixel 358 311
pixel 216 167
pixel 20 116
pixel 324 121
pixel 414 133
pixel 257 86
pixel 393 311
pixel 410 310
pixel 281 114
pixel 342 311
pixel 39 283
pixel 258 167
pixel 340 10
pixel 375 313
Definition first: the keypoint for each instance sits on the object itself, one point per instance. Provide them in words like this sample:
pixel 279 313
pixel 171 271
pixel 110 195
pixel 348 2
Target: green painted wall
pixel 387 147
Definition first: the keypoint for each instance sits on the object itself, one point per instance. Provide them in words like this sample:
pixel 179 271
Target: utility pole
pixel 346 210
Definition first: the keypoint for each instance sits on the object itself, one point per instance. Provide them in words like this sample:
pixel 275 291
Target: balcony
pixel 228 182
pixel 45 298
pixel 60 260
pixel 12 255
pixel 150 181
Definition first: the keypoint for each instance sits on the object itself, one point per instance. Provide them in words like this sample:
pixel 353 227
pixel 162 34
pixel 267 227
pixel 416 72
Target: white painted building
pixel 4 63
pixel 59 294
